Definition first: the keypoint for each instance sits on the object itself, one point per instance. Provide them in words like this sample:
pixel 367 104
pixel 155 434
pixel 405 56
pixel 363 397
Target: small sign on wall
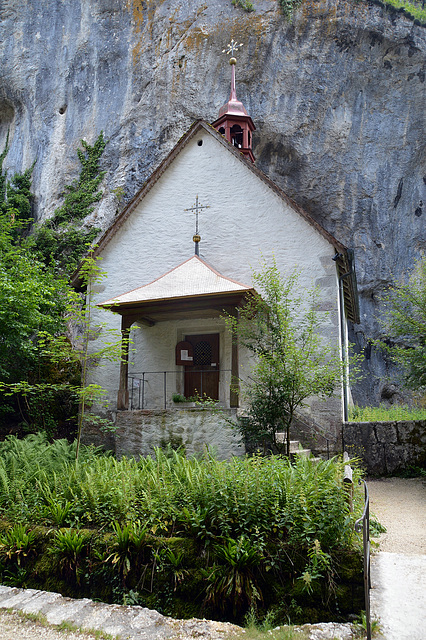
pixel 184 353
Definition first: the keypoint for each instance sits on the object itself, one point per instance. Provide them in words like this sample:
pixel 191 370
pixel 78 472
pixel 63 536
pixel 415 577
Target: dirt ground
pixel 400 505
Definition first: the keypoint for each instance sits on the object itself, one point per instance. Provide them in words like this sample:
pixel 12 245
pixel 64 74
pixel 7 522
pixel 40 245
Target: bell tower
pixel 234 122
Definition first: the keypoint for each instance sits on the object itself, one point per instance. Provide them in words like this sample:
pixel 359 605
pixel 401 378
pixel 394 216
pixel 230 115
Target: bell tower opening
pixel 237 136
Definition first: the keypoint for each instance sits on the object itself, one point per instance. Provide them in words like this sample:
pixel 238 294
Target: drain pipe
pixel 342 334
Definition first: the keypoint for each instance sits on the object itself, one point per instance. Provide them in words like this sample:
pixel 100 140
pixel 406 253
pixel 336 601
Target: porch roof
pixel 192 284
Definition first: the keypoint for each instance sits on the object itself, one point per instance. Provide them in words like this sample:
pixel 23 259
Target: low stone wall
pixel 139 432
pixel 386 447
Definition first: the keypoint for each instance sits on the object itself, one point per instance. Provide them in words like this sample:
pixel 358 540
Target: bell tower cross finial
pixel 230 49
pixel 234 122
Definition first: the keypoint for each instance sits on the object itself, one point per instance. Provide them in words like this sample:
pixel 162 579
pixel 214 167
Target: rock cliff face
pixel 337 96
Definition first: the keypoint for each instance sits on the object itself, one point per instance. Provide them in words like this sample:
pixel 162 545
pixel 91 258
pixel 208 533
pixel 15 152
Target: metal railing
pixel 154 389
pixel 363 524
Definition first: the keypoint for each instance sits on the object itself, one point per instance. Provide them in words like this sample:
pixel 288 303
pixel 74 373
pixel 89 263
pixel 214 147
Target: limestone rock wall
pixel 337 96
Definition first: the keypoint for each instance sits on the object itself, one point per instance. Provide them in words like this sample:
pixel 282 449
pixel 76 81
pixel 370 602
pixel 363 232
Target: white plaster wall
pixel 246 224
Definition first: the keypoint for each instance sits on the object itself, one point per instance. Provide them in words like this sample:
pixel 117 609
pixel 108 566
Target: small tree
pixel 39 370
pixel 405 327
pixel 97 345
pixel 291 360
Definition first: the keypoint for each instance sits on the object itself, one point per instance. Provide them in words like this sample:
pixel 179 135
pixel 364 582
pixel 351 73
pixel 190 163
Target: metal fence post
pixel 363 524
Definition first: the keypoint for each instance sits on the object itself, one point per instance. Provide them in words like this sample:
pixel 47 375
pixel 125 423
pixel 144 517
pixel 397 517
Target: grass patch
pixel 411 9
pixel 386 414
pixel 38 617
pixel 96 633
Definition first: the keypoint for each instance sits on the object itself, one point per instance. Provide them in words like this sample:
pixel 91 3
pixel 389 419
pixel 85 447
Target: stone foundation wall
pixel 139 432
pixel 387 447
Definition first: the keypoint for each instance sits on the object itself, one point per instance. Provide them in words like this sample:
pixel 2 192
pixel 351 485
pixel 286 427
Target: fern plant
pixel 232 583
pixel 69 546
pixel 127 543
pixel 17 543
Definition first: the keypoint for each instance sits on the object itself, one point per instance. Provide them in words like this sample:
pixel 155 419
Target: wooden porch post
pixel 123 392
pixel 234 395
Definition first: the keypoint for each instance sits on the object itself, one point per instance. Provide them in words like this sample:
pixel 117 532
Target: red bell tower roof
pixel 234 122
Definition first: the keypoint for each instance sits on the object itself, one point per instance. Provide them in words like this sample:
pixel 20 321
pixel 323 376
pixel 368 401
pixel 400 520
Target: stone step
pixel 133 622
pixel 294 444
pixel 302 452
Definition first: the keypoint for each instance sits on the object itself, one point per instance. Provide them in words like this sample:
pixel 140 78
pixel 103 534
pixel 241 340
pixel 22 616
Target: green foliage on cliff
pixel 413 9
pixel 63 240
pixel 39 370
pixel 244 4
pixel 31 295
pixel 289 6
pixel 15 198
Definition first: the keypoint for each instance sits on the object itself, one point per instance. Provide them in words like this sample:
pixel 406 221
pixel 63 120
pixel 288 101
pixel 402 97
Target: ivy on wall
pixel 63 239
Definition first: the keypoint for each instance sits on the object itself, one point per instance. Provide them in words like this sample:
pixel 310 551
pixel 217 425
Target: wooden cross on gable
pixel 196 209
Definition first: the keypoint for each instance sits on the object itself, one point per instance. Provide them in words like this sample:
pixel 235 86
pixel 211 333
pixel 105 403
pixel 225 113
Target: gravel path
pixel 400 505
pixel 14 626
pixel 398 570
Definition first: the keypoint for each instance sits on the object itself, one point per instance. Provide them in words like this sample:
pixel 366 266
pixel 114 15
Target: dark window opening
pixel 222 131
pixel 237 136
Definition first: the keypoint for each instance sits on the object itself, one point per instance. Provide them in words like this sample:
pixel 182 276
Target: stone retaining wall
pixel 139 432
pixel 387 447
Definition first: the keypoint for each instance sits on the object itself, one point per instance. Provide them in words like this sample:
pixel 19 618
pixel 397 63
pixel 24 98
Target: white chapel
pixel 180 254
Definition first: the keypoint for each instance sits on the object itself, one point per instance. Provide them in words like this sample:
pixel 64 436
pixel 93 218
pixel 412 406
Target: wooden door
pixel 202 378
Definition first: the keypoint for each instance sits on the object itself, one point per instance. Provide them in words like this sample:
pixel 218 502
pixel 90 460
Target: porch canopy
pixel 193 289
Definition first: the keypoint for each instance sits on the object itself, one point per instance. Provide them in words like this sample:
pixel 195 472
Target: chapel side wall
pixel 247 224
